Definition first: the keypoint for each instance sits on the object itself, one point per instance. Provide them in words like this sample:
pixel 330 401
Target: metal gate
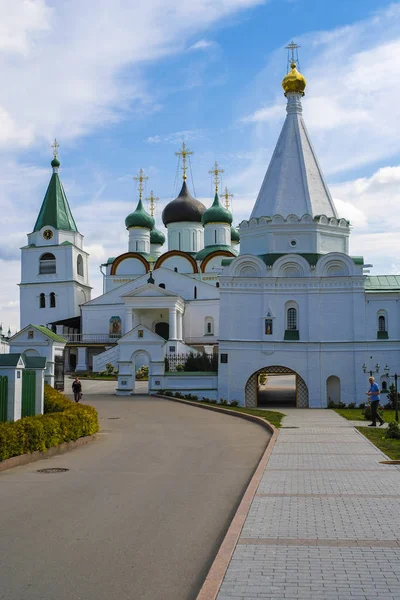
pixel 28 393
pixel 59 373
pixel 3 397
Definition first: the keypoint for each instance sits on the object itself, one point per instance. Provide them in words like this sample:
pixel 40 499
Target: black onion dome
pixel 183 208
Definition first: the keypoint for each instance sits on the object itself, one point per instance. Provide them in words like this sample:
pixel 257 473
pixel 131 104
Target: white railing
pixel 91 338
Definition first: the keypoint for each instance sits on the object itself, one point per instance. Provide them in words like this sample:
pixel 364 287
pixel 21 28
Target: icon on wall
pixel 268 326
pixel 140 333
pixel 30 335
pixel 115 326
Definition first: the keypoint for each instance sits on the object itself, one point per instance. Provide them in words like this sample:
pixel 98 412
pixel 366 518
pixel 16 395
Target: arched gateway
pixel 252 386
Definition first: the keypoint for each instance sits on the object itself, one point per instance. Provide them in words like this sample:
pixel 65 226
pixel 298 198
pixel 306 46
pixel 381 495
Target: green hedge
pixel 63 421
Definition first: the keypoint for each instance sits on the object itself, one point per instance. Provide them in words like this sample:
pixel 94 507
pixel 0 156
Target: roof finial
pixel 55 145
pixel 184 152
pixel 152 200
pixel 227 197
pixel 216 172
pixel 140 177
pixel 55 163
pixel 293 56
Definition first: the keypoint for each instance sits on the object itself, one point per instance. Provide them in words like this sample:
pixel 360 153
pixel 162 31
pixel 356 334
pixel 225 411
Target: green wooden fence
pixel 3 397
pixel 28 393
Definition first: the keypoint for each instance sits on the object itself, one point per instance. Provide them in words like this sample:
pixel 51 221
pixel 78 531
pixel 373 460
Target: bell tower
pixel 54 266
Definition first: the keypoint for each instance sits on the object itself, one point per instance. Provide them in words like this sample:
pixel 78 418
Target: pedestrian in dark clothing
pixel 374 394
pixel 77 389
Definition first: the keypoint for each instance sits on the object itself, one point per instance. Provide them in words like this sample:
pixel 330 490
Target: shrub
pixel 391 397
pixel 205 399
pixel 63 421
pixel 200 362
pixel 351 405
pixel 168 393
pixel 332 404
pixel 179 395
pixel 166 364
pixel 234 403
pixel 223 402
pixel 393 431
pixel 190 397
pixel 109 369
pixel 213 402
pixel 143 372
pixel 180 367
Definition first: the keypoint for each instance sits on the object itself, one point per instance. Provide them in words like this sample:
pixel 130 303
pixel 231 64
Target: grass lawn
pixel 377 437
pixel 355 414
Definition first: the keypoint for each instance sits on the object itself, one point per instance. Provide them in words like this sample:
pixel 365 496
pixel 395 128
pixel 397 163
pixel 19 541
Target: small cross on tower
pixel 152 200
pixel 184 152
pixel 293 57
pixel 55 145
pixel 215 171
pixel 141 178
pixel 227 197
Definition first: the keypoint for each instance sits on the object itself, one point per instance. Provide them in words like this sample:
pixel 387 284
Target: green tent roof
pixel 55 211
pixel 49 333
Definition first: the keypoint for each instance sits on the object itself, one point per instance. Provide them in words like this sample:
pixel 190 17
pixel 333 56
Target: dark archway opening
pixel 162 329
pixel 276 390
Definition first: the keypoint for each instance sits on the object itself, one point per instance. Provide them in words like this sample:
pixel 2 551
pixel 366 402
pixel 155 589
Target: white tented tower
pixel 54 266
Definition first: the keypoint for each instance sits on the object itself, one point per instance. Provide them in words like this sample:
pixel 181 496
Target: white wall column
pixel 179 323
pixel 172 324
pixel 39 392
pixel 128 320
pixel 82 359
pixel 14 392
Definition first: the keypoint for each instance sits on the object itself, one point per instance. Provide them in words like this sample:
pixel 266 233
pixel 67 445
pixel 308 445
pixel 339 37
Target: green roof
pixel 10 360
pixel 214 248
pixel 235 235
pixel 34 362
pixel 382 283
pixel 216 213
pixel 49 333
pixel 55 211
pixel 139 218
pixel 157 237
pixel 110 260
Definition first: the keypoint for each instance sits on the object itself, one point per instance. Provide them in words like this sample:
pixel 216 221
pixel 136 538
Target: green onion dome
pixel 110 260
pixel 139 218
pixel 55 162
pixel 157 237
pixel 235 235
pixel 216 213
pixel 183 208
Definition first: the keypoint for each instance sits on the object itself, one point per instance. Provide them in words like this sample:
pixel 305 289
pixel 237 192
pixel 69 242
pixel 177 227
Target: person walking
pixel 374 394
pixel 77 389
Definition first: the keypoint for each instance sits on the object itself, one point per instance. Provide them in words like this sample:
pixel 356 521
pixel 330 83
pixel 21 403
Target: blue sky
pixel 122 84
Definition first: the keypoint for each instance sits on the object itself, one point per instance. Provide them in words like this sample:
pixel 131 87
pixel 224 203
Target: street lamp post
pixel 371 371
pixel 395 376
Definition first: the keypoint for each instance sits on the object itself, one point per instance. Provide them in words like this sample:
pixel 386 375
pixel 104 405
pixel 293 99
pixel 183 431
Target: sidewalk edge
pixel 216 573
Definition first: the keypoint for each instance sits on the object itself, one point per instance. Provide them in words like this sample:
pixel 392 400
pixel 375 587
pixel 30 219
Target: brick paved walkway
pixel 325 521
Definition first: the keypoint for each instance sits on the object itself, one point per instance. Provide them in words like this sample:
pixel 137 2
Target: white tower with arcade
pixel 54 266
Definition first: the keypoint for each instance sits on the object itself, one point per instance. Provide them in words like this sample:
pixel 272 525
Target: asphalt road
pixel 141 512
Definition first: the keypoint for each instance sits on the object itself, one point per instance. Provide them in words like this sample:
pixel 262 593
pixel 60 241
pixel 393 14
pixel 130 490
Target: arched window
pixel 194 242
pixel 162 285
pixel 217 284
pixel 79 265
pixel 209 326
pixel 47 264
pixel 52 300
pixel 381 323
pixel 195 292
pixel 384 386
pixel 292 319
pixel 42 301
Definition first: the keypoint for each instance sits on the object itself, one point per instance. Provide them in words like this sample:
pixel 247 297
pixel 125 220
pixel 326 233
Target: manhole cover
pixel 53 470
pixel 113 418
pixel 389 462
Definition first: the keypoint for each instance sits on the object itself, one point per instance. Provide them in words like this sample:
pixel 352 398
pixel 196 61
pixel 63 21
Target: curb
pixel 25 459
pixel 216 573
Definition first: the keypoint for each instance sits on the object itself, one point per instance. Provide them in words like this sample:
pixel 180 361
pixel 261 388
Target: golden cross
pixel 152 199
pixel 184 152
pixel 140 177
pixel 55 145
pixel 227 196
pixel 292 47
pixel 216 171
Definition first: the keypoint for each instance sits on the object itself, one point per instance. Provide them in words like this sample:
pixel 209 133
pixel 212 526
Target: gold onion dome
pixel 294 82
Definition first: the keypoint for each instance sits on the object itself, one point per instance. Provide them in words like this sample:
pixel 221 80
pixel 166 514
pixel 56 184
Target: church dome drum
pixel 183 208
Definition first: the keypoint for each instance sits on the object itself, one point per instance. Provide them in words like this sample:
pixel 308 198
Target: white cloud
pixel 202 45
pixel 177 137
pixel 62 66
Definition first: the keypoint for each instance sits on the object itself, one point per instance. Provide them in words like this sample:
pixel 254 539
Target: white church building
pixel 292 302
